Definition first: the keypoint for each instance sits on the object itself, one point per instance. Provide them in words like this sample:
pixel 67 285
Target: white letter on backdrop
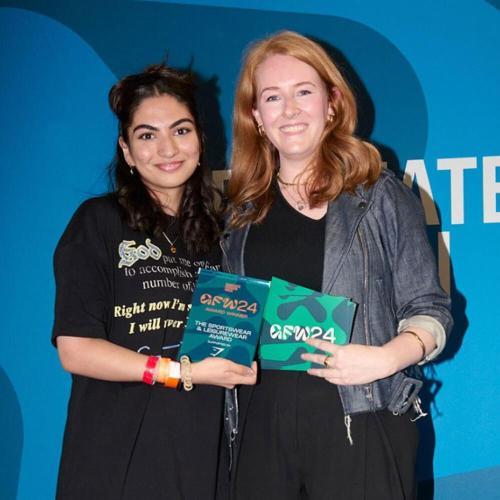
pixel 491 188
pixel 456 166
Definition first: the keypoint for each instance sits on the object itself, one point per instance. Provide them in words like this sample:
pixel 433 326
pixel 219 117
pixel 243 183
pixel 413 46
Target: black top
pixel 288 245
pixel 295 420
pixel 124 438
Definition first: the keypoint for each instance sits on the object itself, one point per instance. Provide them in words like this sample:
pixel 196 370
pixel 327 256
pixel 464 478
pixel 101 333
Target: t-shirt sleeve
pixel 82 274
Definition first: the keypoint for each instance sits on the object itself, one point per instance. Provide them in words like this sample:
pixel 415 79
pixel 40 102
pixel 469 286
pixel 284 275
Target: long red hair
pixel 343 161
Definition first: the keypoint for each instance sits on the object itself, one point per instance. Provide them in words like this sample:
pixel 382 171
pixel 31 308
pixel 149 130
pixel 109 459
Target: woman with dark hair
pixel 125 269
pixel 311 204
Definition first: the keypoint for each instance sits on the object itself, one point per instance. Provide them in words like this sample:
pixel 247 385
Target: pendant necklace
pixel 173 248
pixel 300 204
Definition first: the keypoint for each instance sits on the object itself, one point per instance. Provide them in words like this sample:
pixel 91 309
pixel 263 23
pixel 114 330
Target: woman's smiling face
pixel 292 104
pixel 163 147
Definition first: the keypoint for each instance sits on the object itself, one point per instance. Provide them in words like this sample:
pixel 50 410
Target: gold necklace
pixel 281 181
pixel 173 248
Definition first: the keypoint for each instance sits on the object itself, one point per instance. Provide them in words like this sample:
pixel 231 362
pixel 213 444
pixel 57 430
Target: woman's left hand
pixel 351 364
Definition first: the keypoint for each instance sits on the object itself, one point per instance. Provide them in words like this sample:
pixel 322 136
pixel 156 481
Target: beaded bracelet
pixel 186 375
pixel 148 377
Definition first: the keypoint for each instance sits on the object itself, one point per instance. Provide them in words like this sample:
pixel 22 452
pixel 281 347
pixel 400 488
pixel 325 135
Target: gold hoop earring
pixel 260 129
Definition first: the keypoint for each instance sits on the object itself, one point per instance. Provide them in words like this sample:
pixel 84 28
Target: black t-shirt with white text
pixel 123 286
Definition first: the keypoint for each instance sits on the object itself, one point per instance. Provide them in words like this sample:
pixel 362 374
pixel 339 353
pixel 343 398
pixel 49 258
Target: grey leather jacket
pixel 376 253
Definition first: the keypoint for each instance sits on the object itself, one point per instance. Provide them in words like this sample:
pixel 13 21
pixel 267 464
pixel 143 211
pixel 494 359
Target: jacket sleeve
pixel 418 297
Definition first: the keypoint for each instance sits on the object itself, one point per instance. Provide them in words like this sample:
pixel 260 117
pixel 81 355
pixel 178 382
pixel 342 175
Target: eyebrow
pixel 182 120
pixel 156 129
pixel 146 126
pixel 307 82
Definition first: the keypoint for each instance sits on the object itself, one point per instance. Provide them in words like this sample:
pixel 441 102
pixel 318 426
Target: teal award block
pixel 225 317
pixel 294 313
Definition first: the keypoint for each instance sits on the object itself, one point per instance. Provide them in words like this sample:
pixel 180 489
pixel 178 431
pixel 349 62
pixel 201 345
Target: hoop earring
pixel 260 130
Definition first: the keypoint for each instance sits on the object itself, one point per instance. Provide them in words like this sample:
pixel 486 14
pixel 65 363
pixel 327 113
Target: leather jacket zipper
pixel 364 247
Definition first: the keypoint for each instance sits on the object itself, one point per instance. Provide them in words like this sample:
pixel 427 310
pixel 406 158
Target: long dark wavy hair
pixel 198 217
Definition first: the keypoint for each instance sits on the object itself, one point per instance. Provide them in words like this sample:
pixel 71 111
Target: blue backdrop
pixel 426 76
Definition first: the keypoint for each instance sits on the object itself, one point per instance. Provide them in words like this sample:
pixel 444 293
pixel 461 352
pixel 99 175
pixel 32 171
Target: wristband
pixel 174 376
pixel 163 369
pixel 169 373
pixel 148 376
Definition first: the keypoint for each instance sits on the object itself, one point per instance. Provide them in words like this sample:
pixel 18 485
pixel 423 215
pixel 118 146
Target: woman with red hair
pixel 312 204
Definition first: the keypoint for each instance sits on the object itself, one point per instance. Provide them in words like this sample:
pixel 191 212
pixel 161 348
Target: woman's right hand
pixel 223 372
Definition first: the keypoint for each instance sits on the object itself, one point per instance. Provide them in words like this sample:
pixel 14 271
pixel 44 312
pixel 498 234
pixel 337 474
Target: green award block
pixel 225 317
pixel 294 313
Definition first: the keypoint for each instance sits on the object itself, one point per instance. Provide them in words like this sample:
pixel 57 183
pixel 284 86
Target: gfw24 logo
pixel 301 333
